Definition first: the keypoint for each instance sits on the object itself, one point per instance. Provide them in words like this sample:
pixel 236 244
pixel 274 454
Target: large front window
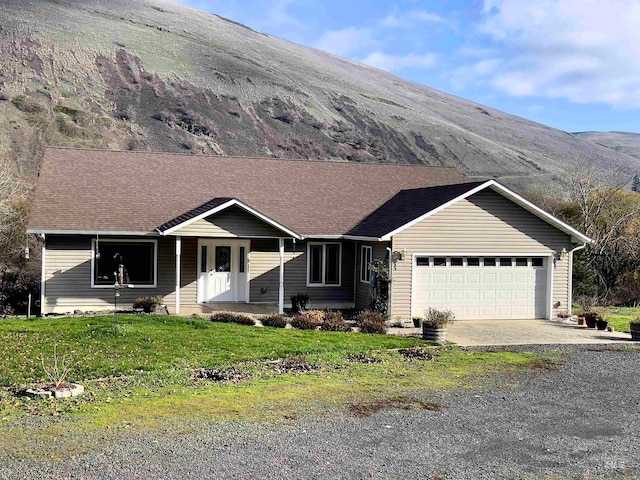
pixel 323 265
pixel 128 262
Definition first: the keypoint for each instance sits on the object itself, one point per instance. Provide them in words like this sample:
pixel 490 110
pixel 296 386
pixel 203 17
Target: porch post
pixel 281 289
pixel 178 254
pixel 43 276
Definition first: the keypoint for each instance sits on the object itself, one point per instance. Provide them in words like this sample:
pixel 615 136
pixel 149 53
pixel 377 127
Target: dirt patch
pixel 400 403
pixel 417 353
pixel 364 358
pixel 293 366
pixel 229 375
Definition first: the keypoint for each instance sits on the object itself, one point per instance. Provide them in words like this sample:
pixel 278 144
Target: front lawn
pixel 145 377
pixel 620 317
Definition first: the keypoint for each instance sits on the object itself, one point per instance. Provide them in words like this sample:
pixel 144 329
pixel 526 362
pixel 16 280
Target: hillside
pixel 624 142
pixel 154 75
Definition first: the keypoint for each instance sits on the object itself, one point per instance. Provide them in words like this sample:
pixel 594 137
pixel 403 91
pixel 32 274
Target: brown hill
pixel 624 142
pixel 134 74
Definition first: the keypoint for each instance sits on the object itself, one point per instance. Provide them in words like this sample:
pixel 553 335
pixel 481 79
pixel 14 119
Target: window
pixel 456 261
pixel 130 262
pixel 422 261
pixel 505 262
pixel 536 261
pixel 365 264
pixel 521 262
pixel 489 262
pixel 241 260
pixel 324 264
pixel 473 262
pixel 439 262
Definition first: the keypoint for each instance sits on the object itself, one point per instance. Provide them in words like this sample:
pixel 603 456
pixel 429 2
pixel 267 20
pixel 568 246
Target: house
pixel 204 232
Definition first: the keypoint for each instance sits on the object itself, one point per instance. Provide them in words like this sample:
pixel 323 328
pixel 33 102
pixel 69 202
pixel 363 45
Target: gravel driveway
pixel 580 421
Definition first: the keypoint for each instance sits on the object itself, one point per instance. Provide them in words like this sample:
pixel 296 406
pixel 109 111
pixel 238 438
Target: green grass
pixel 620 317
pixel 142 377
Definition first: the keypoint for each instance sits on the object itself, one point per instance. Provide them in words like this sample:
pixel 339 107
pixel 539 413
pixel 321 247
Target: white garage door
pixel 481 287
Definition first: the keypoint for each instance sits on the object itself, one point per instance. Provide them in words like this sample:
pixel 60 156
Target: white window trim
pixel 364 248
pixel 125 240
pixel 324 264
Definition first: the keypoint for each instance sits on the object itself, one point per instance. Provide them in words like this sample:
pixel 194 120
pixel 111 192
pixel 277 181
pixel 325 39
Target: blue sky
pixel 569 64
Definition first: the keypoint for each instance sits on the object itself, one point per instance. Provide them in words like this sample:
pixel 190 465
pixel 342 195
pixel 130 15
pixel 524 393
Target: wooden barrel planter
pixel 635 331
pixel 434 334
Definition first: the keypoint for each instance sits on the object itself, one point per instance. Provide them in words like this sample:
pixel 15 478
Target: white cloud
pixel 581 50
pixel 411 18
pixel 394 63
pixel 347 41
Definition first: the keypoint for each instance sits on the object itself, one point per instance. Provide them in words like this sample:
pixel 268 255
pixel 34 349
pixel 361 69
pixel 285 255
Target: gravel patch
pixel 580 420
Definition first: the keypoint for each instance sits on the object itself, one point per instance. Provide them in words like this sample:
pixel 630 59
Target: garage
pixel 474 287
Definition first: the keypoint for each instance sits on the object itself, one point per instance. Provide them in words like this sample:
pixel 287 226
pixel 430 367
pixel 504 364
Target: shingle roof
pixel 408 205
pixel 199 210
pixel 106 191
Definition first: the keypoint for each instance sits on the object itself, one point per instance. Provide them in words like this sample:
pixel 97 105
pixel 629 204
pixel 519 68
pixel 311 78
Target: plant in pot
pixel 588 306
pixel 635 329
pixel 601 319
pixel 434 324
pixel 417 322
pixel 563 316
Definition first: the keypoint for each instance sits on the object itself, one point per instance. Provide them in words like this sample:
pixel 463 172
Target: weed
pixel 371 322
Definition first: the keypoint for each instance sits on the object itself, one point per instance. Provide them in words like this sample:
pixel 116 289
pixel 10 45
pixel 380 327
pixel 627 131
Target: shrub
pixel 635 321
pixel 333 322
pixel 299 302
pixel 308 320
pixel 15 287
pixel 28 105
pixel 371 322
pixel 230 317
pixel 600 312
pixel 148 304
pixel 435 318
pixel 276 320
pixel 563 314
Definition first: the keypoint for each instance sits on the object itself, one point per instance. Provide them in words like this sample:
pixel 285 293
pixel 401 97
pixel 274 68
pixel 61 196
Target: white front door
pixel 222 270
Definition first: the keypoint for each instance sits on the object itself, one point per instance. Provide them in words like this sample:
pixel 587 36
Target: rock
pixel 38 392
pixel 78 312
pixel 611 329
pixel 68 392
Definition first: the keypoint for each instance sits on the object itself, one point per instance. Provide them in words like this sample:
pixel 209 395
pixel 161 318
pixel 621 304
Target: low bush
pixel 371 322
pixel 230 317
pixel 309 320
pixel 28 105
pixel 148 304
pixel 276 320
pixel 333 322
pixel 299 302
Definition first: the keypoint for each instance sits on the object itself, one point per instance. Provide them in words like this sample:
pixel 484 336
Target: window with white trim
pixel 365 264
pixel 324 262
pixel 129 262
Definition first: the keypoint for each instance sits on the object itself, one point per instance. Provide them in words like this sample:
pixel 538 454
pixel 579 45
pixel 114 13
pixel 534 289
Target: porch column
pixel 178 254
pixel 281 289
pixel 43 276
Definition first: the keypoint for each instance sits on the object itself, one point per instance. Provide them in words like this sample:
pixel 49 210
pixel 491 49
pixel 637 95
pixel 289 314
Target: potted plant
pixel 417 322
pixel 434 324
pixel 635 329
pixel 562 315
pixel 601 322
pixel 588 305
pixel 580 315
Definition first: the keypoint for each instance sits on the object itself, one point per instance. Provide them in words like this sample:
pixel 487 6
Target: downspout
pixel 390 270
pixel 42 275
pixel 571 275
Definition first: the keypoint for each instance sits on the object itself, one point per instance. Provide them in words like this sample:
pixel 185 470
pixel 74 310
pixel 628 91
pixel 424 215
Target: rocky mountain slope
pixel 151 74
pixel 624 142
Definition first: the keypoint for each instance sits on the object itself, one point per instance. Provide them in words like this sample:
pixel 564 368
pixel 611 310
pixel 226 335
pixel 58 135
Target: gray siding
pixel 68 276
pixel 265 277
pixel 363 290
pixel 232 222
pixel 485 223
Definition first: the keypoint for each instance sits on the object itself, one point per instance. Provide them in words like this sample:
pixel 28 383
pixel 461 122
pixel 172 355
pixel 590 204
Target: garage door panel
pixel 471 292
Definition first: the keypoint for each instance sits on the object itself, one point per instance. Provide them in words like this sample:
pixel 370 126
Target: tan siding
pixel 561 298
pixel 265 274
pixel 485 223
pixel 363 290
pixel 68 277
pixel 232 222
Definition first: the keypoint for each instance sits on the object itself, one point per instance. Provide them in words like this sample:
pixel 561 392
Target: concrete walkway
pixel 521 332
